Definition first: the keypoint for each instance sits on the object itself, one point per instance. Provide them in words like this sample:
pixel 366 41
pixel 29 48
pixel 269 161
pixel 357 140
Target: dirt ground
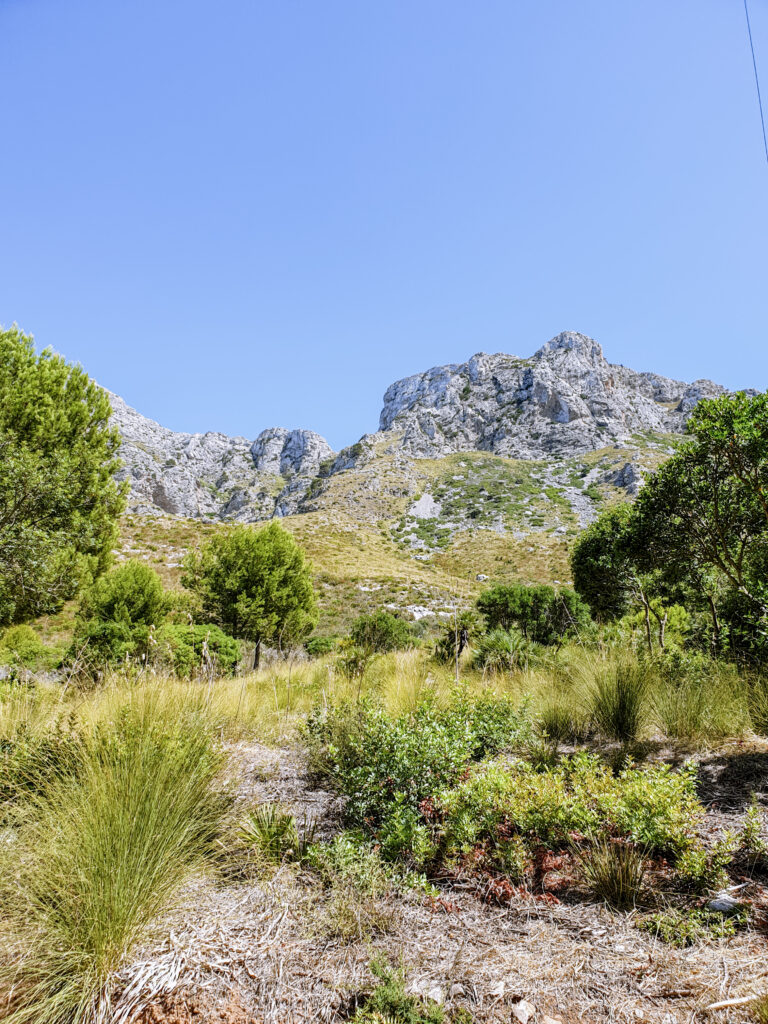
pixel 250 952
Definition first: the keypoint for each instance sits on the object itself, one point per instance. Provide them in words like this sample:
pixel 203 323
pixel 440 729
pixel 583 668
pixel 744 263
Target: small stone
pixel 436 994
pixel 723 904
pixel 523 1011
pixel 497 990
pixel 550 1020
pixel 457 991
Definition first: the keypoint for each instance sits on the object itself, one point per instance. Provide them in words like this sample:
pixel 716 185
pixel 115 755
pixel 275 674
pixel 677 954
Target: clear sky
pixel 260 213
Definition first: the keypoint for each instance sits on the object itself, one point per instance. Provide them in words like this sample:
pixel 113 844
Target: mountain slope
pixel 563 402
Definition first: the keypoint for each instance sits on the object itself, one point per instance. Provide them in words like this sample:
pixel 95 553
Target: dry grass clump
pixel 101 854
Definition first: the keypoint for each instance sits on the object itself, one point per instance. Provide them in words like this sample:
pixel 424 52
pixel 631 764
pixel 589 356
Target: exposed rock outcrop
pixel 565 399
pixel 215 476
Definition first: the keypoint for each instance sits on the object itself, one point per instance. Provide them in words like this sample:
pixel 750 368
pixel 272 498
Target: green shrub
pixel 381 632
pixel 117 615
pixel 750 838
pixel 618 698
pixel 355 886
pixel 193 648
pixel 389 1004
pixel 317 646
pixel 655 807
pixel 132 593
pixel 686 928
pixel 21 647
pixel 378 761
pixel 706 870
pixel 541 613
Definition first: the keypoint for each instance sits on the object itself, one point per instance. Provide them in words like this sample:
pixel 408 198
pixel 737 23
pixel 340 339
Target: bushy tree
pixel 58 498
pixel 603 564
pixel 191 648
pixel 541 613
pixel 254 583
pixel 117 614
pixel 702 518
pixel 381 632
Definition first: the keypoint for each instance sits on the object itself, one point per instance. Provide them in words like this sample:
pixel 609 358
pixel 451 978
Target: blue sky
pixel 252 213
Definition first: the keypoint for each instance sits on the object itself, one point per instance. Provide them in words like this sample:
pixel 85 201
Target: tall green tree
pixel 702 519
pixel 254 583
pixel 59 502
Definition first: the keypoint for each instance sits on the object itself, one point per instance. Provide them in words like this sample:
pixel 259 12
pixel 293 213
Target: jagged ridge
pixel 564 400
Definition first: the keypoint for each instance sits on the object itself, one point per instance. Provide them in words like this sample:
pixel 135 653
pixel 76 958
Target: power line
pixel 757 81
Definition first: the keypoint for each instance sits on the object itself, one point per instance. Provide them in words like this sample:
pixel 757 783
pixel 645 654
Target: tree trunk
pixel 715 624
pixel 256 655
pixel 662 629
pixel 647 608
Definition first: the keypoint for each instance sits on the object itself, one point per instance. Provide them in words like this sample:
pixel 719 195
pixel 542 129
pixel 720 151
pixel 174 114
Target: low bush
pixel 381 632
pixel 685 928
pixel 379 761
pixel 317 646
pixel 655 808
pixel 706 870
pixel 389 1003
pixel 193 649
pixel 355 884
pixel 541 613
pixel 21 647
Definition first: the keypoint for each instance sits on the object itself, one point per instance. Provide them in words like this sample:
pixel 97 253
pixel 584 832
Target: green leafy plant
pixel 388 1003
pixel 274 834
pixel 686 928
pixel 706 870
pixel 191 649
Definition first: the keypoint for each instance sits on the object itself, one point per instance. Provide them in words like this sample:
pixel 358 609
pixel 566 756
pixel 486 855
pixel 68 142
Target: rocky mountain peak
pixel 565 399
pixel 573 347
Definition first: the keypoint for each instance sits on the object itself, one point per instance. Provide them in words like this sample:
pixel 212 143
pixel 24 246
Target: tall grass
pixel 618 697
pixel 102 854
pixel 702 703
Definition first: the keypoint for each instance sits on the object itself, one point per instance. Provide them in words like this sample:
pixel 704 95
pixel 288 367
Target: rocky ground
pixel 255 951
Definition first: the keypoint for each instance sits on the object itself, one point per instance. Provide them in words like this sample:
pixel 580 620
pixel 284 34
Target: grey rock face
pixel 212 475
pixel 565 399
pixel 290 452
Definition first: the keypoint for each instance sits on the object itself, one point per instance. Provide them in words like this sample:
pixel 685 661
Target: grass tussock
pixel 102 853
pixel 614 872
pixel 618 697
